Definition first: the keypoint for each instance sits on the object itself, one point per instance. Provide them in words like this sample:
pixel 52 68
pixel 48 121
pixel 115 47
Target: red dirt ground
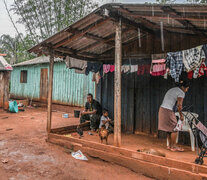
pixel 22 144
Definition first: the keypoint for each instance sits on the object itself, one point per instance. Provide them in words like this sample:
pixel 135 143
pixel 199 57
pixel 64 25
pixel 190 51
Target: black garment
pixel 95 105
pixel 94 67
pixel 205 51
pixel 94 120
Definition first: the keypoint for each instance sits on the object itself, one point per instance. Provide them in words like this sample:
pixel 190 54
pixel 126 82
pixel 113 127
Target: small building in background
pixel 5 70
pixel 29 80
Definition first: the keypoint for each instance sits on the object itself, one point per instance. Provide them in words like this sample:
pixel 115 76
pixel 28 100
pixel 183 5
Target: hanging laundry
pixel 94 67
pixel 143 69
pixel 174 61
pixel 204 48
pixel 80 71
pixel 158 67
pixel 133 68
pixel 192 58
pixel 200 71
pixel 125 68
pixel 96 77
pixel 112 68
pixel 73 63
pixel 106 68
pixel 190 75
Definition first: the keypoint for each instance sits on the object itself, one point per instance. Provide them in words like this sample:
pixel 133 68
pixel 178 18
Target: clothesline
pixel 172 63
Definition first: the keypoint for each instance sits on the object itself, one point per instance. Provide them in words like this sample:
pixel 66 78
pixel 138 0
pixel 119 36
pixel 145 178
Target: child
pixel 105 119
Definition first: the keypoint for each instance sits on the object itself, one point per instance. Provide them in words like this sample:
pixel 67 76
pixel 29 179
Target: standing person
pixel 92 112
pixel 167 118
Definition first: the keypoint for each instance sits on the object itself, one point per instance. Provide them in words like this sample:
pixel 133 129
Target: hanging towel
pixel 175 63
pixel 73 63
pixel 192 58
pixel 158 67
pixel 106 68
pixel 112 68
pixel 94 67
pixel 133 68
pixel 125 68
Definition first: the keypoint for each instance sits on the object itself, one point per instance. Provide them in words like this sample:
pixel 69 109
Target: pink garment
pixel 158 67
pixel 106 68
pixel 112 68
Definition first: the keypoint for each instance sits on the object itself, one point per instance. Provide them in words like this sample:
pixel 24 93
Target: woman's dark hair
pixel 184 84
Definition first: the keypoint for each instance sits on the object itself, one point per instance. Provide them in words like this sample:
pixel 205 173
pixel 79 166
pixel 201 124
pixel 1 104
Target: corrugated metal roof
pixel 4 65
pixel 92 36
pixel 38 60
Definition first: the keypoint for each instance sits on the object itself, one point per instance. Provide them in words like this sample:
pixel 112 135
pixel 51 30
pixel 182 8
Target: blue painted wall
pixel 68 87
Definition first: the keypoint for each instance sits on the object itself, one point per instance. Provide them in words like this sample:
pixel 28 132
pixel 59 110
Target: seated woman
pixel 167 118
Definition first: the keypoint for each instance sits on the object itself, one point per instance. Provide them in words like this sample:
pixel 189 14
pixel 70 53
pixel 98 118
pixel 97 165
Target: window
pixel 23 78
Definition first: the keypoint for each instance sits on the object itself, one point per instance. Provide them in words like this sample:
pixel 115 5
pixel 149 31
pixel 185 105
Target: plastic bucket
pixel 13 107
pixel 76 113
pixel 65 116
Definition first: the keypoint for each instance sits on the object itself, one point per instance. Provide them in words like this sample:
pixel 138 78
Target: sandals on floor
pixel 177 149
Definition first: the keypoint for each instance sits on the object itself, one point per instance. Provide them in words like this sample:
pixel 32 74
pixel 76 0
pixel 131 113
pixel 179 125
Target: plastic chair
pixel 187 128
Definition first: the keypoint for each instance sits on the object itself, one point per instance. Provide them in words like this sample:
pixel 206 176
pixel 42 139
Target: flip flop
pixel 177 149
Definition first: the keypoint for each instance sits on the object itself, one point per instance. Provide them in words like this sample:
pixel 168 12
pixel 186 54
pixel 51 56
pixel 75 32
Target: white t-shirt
pixel 171 97
pixel 103 118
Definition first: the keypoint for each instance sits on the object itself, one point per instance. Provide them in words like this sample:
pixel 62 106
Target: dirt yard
pixel 24 154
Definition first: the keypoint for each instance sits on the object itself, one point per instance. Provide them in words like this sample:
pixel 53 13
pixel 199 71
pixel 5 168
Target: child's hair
pixel 104 111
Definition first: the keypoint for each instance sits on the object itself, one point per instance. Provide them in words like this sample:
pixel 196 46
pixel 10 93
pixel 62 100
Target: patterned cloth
pixel 192 58
pixel 175 63
pixel 200 71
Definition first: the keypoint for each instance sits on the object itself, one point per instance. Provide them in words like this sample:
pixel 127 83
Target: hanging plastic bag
pixel 79 155
pixel 179 126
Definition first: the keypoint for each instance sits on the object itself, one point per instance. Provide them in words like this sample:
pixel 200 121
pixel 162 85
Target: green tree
pixel 42 18
pixel 14 48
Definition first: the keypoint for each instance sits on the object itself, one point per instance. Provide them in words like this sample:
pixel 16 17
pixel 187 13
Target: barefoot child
pixel 105 119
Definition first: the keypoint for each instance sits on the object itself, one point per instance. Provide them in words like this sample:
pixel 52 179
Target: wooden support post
pixel 6 90
pixel 117 86
pixel 49 105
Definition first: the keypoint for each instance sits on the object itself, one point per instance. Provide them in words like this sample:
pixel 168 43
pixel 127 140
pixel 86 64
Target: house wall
pixel 68 87
pixel 142 97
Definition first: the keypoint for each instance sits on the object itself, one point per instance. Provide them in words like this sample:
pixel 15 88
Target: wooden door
pixel 44 84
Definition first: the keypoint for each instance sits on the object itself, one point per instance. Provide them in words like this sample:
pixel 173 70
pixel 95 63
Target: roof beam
pixel 109 38
pixel 92 36
pixel 184 22
pixel 70 51
pixel 129 22
pixel 81 33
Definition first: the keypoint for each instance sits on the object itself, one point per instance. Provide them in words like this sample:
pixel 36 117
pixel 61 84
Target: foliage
pixel 15 49
pixel 42 18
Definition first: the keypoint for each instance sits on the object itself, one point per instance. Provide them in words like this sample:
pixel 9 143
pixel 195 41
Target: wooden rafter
pixel 92 36
pixel 109 38
pixel 183 21
pixel 81 33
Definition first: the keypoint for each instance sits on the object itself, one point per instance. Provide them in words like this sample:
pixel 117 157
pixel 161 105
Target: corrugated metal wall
pixel 68 87
pixel 142 97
